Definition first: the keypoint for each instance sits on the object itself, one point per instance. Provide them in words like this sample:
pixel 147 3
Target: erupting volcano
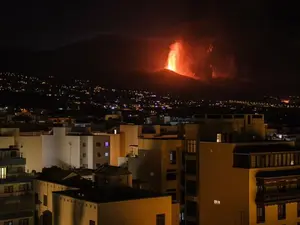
pixel 178 60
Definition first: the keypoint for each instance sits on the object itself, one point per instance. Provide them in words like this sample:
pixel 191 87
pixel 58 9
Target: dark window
pixel 281 212
pixel 8 222
pixel 36 198
pixel 23 221
pixel 92 222
pixel 83 155
pixel 191 208
pixel 298 209
pixel 260 213
pixel 173 195
pixel 191 167
pixel 45 200
pixel 191 187
pixel 171 176
pixel 98 154
pixel 8 189
pixel 160 219
pixel 98 144
pixel 173 157
pixel 83 144
pixel 23 187
pixel 249 120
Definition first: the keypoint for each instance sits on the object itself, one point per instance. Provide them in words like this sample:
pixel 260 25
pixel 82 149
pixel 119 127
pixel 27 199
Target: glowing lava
pixel 178 61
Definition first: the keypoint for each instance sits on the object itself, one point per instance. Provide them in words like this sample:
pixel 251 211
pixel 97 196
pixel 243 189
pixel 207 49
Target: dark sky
pixel 46 24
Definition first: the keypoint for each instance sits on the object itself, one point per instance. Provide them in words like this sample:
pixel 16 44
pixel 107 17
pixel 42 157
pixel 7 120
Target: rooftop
pixel 63 177
pixel 109 194
pixel 263 148
pixel 112 170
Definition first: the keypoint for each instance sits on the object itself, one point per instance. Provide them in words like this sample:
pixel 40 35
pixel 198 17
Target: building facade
pixel 16 197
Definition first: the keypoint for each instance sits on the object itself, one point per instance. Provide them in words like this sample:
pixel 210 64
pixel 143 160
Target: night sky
pixel 263 35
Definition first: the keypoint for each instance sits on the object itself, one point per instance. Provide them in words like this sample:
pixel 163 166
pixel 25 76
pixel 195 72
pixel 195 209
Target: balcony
pixel 275 197
pixel 13 204
pixel 12 161
pixel 17 179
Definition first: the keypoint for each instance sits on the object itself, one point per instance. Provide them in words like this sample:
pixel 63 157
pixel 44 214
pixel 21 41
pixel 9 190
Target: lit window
pixel 219 137
pixel 106 144
pixel 3 173
pixel 217 202
pixel 106 154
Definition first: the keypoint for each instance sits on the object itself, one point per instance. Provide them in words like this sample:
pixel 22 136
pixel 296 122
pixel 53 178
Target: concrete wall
pixel 129 136
pixel 31 148
pixel 218 180
pixel 135 212
pixel 5 142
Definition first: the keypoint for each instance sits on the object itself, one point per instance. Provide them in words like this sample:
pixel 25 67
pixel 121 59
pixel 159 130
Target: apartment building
pixel 16 197
pixel 111 205
pixel 159 165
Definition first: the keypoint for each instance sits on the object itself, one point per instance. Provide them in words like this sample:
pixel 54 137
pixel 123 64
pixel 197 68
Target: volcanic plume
pixel 179 61
pixel 200 60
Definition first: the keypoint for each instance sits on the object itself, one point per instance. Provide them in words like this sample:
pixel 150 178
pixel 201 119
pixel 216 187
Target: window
pixel 8 222
pixel 191 208
pixel 281 212
pixel 8 189
pixel 173 157
pixel 298 209
pixel 160 219
pixel 2 172
pixel 106 154
pixel 23 221
pixel 260 214
pixel 36 198
pixel 45 200
pixel 83 144
pixel 98 154
pixel 191 167
pixel 249 119
pixel 171 176
pixel 83 155
pixel 191 187
pixel 106 144
pixel 23 187
pixel 98 144
pixel 92 222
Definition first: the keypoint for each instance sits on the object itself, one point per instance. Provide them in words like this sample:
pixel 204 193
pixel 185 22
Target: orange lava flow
pixel 177 60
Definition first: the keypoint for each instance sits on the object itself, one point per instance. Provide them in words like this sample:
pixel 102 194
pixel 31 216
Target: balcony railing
pixel 12 161
pixel 17 203
pixel 290 195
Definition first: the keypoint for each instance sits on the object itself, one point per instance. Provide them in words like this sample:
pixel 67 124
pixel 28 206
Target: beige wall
pixel 220 181
pixel 70 211
pixel 175 213
pixel 129 136
pixel 67 210
pixel 31 148
pixel 135 212
pixel 5 142
pixel 115 149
